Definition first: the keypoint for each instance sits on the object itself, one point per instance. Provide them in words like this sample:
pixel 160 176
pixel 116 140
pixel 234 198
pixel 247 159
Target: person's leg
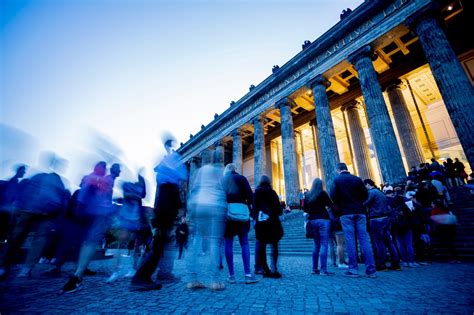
pixel 348 226
pixel 166 262
pixel 401 246
pixel 376 231
pixel 409 247
pixel 244 244
pixel 215 240
pixel 229 255
pixel 341 243
pixel 275 257
pixel 324 226
pixel 43 232
pixel 366 246
pixel 23 222
pixel 388 242
pixel 263 257
pixel 317 244
pixel 258 263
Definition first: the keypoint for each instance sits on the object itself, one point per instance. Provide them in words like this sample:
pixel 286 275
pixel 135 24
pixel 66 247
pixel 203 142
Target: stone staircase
pixel 294 241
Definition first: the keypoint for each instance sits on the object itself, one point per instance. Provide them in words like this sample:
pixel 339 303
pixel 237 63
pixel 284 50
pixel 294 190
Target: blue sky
pixel 126 70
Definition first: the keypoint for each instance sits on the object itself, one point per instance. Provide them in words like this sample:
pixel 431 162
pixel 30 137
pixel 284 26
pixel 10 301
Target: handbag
pixel 445 219
pixel 238 212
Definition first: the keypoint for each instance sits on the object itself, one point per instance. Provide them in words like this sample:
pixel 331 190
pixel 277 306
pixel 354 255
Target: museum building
pixel 388 87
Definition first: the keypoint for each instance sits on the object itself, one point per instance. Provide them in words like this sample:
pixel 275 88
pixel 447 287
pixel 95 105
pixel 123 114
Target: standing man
pixel 378 211
pixel 349 193
pixel 169 173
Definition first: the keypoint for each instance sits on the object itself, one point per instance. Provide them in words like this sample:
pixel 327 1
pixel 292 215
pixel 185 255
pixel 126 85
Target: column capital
pixel 354 104
pixel 236 132
pixel 258 119
pixel 431 11
pixel 395 84
pixel 285 102
pixel 318 80
pixel 365 51
pixel 218 143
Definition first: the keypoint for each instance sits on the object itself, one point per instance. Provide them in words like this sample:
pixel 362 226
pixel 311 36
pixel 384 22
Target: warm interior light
pixel 450 7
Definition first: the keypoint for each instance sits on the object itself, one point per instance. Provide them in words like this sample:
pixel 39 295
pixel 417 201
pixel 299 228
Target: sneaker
pixel 326 273
pixel 231 279
pixel 114 277
pixel 74 283
pixel 130 274
pixel 167 278
pixel 413 265
pixel 24 273
pixel 144 286
pixel 372 275
pixel 275 275
pixel 424 263
pixel 343 266
pixel 195 285
pixel 267 274
pixel 54 272
pixel 404 264
pixel 315 272
pixel 89 272
pixel 381 268
pixel 250 279
pixel 351 275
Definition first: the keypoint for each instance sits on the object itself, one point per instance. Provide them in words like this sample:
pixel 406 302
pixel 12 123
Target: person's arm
pixel 370 200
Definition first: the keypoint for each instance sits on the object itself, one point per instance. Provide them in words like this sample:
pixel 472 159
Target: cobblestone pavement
pixel 439 288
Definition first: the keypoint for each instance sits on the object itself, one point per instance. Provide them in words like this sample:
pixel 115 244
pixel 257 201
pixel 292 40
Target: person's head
pixel 341 167
pixel 100 168
pixel 438 203
pixel 183 219
pixel 449 160
pixel 230 168
pixel 206 157
pixel 169 141
pixel 264 181
pixel 115 170
pixel 316 189
pixel 456 159
pixel 413 168
pixel 389 193
pixel 369 184
pixel 20 171
pixel 433 160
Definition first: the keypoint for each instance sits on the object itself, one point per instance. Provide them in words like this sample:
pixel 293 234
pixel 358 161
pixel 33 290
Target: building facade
pixel 388 87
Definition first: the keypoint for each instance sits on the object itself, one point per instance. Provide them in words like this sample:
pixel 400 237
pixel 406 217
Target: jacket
pixel 349 193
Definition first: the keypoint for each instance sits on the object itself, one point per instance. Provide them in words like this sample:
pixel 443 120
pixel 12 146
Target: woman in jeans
pixel 268 229
pixel 237 190
pixel 315 205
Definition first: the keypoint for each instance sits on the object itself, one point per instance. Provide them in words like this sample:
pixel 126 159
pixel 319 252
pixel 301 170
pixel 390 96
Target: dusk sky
pixel 127 70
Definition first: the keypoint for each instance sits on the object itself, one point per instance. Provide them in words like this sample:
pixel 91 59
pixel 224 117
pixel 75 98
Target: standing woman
pixel 268 229
pixel 315 205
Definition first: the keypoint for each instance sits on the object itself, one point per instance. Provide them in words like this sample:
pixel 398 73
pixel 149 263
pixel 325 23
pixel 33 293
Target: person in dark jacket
pixel 349 193
pixel 237 190
pixel 41 200
pixel 268 228
pixel 315 205
pixel 182 234
pixel 378 211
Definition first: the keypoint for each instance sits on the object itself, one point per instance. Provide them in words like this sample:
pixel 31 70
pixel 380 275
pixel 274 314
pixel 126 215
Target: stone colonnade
pixel 452 82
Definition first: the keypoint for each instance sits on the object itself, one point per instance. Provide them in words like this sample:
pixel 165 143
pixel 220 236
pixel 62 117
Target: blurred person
pixel 9 192
pixel 131 222
pixel 169 173
pixel 450 172
pixel 443 193
pixel 379 223
pixel 182 234
pixel 461 174
pixel 444 228
pixel 315 205
pixel 349 193
pixel 206 211
pixel 95 199
pixel 41 199
pixel 268 228
pixel 238 193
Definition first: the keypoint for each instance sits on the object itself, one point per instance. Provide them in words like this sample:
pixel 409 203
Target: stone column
pixel 219 153
pixel 314 130
pixel 386 146
pixel 193 167
pixel 406 129
pixel 290 168
pixel 453 84
pixel 329 156
pixel 359 144
pixel 259 149
pixel 237 150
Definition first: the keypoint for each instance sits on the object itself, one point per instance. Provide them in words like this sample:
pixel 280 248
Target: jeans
pixel 263 256
pixel 320 229
pixel 258 263
pixel 404 240
pixel 229 255
pixel 382 239
pixel 352 225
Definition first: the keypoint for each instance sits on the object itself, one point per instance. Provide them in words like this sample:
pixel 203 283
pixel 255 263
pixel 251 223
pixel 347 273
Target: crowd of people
pixel 220 205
